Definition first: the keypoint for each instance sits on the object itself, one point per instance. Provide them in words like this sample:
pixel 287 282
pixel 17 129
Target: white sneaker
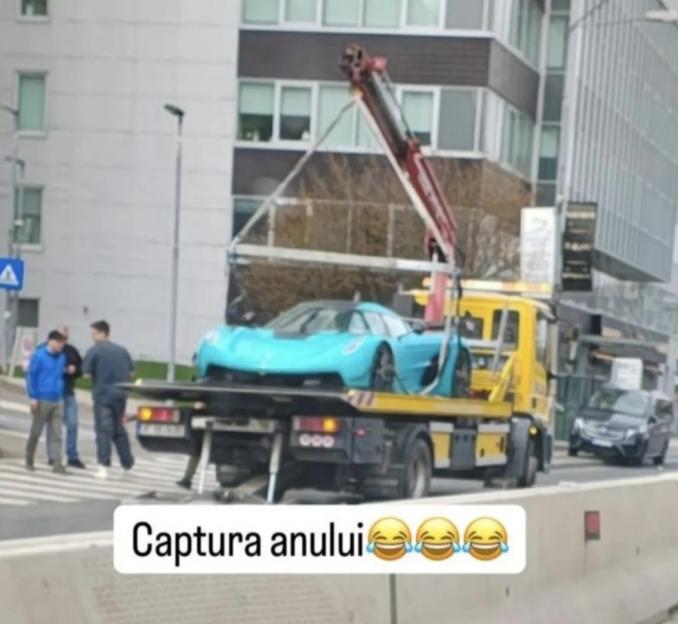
pixel 101 473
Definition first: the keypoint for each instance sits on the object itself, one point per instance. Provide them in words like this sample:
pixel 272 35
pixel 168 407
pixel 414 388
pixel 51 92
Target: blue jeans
pixel 71 422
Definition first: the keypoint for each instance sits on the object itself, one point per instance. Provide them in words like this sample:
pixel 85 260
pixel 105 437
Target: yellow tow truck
pixel 265 440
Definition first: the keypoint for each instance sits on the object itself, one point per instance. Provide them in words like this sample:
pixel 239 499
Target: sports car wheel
pixel 461 382
pixel 383 371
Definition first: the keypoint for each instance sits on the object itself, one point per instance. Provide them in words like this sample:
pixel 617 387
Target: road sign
pixel 11 273
pixel 579 239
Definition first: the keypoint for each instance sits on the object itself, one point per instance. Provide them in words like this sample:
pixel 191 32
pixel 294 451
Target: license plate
pixel 605 443
pixel 161 431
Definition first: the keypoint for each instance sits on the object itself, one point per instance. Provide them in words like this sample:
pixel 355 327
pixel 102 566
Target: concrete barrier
pixel 629 576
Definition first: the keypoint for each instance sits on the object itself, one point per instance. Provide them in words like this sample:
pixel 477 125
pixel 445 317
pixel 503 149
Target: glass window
pixel 546 194
pixel 471 326
pixel 32 8
pixel 517 140
pixel 553 97
pixel 423 12
pixel 542 338
pixel 396 326
pixel 31 102
pixel 457 124
pixel 512 329
pixel 382 13
pixel 295 114
pixel 300 11
pixel 627 402
pixel 260 11
pixel 557 50
pixel 548 153
pixel 357 324
pixel 330 101
pixel 243 209
pixel 341 12
pixel 255 112
pixel 29 313
pixel 29 233
pixel 418 110
pixel 464 14
pixel 366 137
pixel 375 323
pixel 526 28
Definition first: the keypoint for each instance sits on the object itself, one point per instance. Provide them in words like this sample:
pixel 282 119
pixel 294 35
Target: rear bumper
pixel 633 448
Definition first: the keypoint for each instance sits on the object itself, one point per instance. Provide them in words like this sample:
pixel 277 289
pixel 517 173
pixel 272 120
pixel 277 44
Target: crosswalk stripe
pixel 13 501
pixel 45 488
pixel 66 485
pixel 35 492
pixel 111 485
pixel 19 487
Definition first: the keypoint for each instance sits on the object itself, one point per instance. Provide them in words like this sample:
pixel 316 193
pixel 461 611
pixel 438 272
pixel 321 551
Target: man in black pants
pixel 109 364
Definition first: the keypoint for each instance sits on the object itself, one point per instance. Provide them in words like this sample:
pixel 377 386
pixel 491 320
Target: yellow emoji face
pixel 389 538
pixel 437 539
pixel 485 539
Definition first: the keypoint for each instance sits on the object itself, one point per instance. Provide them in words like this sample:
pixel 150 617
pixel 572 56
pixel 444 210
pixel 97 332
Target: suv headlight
pixel 631 433
pixel 578 425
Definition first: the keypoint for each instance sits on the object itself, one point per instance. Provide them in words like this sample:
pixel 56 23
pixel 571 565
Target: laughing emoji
pixel 485 539
pixel 389 539
pixel 437 539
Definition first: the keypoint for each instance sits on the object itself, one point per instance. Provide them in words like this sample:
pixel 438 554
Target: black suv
pixel 624 424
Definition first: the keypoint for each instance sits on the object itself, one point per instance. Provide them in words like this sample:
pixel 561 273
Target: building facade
pixel 90 80
pixel 467 75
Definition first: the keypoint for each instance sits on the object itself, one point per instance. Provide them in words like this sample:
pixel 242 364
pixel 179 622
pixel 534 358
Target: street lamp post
pixel 174 295
pixel 11 298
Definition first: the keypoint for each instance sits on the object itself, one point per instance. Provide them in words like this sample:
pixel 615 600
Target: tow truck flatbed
pixel 283 402
pixel 374 443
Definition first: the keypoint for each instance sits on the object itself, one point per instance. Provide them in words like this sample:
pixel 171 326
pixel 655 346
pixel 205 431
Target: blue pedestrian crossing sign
pixel 11 273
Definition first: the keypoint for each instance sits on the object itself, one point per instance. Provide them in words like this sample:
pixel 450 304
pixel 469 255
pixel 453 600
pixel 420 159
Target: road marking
pixel 19 487
pixel 54 543
pixel 15 407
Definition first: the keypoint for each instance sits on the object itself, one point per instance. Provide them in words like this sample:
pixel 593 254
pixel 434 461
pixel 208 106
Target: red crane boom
pixel 369 78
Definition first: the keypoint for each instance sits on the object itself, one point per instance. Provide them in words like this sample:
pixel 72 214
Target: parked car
pixel 624 424
pixel 336 345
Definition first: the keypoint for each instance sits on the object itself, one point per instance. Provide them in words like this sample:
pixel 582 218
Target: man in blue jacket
pixel 45 386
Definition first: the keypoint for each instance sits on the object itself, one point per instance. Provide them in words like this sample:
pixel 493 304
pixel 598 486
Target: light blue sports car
pixel 335 345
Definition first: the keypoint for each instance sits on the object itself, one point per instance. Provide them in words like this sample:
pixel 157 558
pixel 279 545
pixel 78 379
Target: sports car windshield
pixel 309 320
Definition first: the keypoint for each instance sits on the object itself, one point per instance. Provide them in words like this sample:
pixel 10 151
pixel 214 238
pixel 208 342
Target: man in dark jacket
pixel 109 364
pixel 45 387
pixel 73 371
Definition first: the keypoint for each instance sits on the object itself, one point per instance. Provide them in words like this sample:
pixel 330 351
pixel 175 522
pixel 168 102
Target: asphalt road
pixel 41 503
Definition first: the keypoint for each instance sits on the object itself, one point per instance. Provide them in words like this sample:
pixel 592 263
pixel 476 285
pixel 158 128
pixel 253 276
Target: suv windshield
pixel 629 402
pixel 308 320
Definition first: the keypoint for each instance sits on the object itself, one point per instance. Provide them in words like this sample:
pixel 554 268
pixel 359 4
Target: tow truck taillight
pixel 158 414
pixel 316 424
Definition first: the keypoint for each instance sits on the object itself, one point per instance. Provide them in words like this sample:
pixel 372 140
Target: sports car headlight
pixel 210 338
pixel 353 346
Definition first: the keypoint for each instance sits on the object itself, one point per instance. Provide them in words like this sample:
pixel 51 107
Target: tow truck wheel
pixel 383 372
pixel 529 476
pixel 418 467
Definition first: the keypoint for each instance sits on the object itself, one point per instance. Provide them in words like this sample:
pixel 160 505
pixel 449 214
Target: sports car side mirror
pixel 419 327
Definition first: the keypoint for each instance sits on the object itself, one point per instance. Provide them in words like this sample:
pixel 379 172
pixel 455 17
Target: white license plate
pixel 605 443
pixel 161 431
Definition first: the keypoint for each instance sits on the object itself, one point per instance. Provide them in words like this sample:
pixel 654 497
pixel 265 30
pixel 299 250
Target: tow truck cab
pixel 530 340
